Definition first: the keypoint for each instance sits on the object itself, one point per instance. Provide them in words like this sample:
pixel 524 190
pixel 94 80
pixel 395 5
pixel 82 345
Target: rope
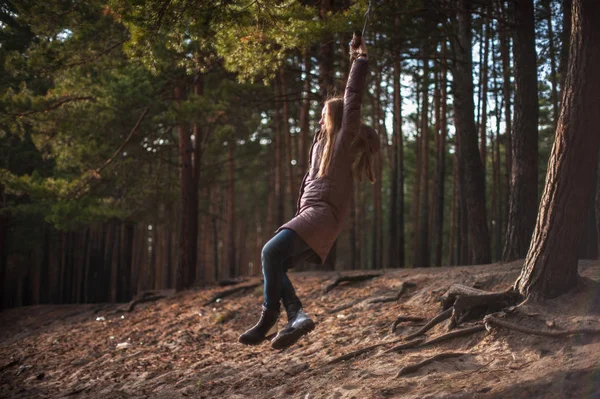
pixel 366 19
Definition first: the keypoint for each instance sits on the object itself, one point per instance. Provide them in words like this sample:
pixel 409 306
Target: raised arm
pixel 353 95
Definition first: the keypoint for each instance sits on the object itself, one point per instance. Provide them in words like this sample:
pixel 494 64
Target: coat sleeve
pixel 353 96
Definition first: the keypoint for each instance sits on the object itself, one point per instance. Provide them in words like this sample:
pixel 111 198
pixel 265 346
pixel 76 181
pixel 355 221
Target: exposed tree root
pixel 223 283
pixel 350 279
pixel 415 367
pixel 345 306
pixel 231 291
pixel 143 297
pixel 436 320
pixel 401 319
pixel 9 365
pixel 359 352
pixel 491 321
pixel 406 345
pixel 453 334
pixel 489 302
pixel 403 287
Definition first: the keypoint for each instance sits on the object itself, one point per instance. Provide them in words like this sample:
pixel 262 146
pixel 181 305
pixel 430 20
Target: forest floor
pixel 178 347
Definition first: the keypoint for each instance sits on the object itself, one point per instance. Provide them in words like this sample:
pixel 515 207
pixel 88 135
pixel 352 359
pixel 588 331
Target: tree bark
pixel 187 248
pixel 479 238
pixel 288 144
pixel 396 244
pixel 551 54
pixel 506 89
pixel 441 122
pixel 567 6
pixel 551 265
pixel 523 189
pixel 231 217
pixel 326 52
pixel 422 259
pixel 279 186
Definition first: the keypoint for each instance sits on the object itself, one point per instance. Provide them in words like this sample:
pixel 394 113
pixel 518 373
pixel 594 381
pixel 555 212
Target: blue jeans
pixel 278 255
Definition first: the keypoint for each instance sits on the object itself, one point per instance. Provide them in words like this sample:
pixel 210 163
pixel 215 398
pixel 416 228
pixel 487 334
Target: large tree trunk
pixel 523 190
pixel 469 157
pixel 551 265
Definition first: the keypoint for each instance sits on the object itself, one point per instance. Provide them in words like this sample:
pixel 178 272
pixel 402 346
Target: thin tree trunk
pixel 187 249
pixel 484 92
pixel 506 88
pixel 469 157
pixel 523 192
pixel 326 52
pixel 279 186
pixel 441 121
pixel 231 217
pixel 552 55
pixel 422 259
pixel 396 244
pixel 288 144
pixel 567 6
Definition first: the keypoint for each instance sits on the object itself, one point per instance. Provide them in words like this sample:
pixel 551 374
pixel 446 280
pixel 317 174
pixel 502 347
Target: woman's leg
pixel 279 255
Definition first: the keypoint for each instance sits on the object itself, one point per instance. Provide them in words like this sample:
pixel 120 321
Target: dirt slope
pixel 176 347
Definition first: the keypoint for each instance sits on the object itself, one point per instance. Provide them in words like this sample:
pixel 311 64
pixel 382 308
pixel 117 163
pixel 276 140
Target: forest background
pixel 159 144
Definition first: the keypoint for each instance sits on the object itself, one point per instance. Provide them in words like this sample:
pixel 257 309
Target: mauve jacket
pixel 324 203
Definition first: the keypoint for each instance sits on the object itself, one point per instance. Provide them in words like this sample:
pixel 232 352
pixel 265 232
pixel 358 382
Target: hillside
pixel 176 347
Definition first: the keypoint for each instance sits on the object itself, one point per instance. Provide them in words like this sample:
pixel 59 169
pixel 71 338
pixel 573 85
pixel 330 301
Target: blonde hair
pixel 333 124
pixel 363 163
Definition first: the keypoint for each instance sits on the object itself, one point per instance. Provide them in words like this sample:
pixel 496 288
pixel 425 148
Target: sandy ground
pixel 176 347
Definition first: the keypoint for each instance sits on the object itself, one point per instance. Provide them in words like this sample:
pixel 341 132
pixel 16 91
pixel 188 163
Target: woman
pixel 341 151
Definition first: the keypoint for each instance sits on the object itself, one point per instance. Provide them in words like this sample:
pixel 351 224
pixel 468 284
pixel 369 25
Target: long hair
pixel 333 124
pixel 363 163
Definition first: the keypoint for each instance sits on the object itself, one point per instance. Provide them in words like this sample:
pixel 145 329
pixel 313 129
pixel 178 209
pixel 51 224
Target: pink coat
pixel 324 203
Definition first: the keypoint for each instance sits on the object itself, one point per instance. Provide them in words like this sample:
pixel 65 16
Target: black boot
pixel 266 328
pixel 298 325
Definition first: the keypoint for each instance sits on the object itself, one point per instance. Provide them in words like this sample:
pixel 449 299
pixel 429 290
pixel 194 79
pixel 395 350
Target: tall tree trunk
pixel 416 189
pixel 197 161
pixel 304 115
pixel 452 247
pixel 441 121
pixel 187 249
pixel 326 52
pixel 288 144
pixel 279 186
pixel 551 265
pixel 422 259
pixel 567 6
pixel 523 190
pixel 231 217
pixel 484 92
pixel 506 89
pixel 469 158
pixel 396 243
pixel 552 55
